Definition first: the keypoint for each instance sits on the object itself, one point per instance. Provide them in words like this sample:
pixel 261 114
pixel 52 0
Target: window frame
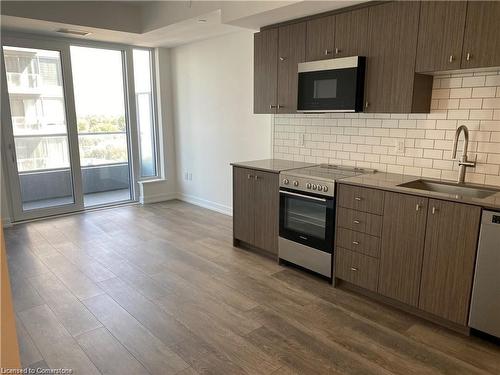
pixel 154 115
pixel 62 44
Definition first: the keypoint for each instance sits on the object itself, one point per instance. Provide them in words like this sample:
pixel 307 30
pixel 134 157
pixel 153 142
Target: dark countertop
pixel 390 182
pixel 272 165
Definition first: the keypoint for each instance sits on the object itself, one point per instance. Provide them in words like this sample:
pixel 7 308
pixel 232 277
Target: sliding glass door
pixel 67 128
pixel 98 82
pixel 41 168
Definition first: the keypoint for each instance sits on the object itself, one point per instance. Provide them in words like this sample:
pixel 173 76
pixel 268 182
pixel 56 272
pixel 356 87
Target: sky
pixel 98 81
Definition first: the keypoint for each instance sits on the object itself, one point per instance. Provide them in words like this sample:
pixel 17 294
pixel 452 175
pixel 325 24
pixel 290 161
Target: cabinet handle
pixel 355 242
pixel 337 51
pixel 282 58
pixel 367 104
pixel 327 52
pixel 419 206
pixel 257 177
pixel 434 210
pixel 451 59
pixel 272 106
pixel 354 268
pixel 280 106
pixel 249 176
pixel 468 56
pixel 358 199
pixel 356 221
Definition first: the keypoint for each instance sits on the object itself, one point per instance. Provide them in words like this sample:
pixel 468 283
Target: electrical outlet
pixel 190 176
pixel 400 146
pixel 186 176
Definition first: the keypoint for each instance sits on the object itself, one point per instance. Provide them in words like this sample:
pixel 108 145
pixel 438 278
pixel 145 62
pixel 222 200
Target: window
pixel 145 112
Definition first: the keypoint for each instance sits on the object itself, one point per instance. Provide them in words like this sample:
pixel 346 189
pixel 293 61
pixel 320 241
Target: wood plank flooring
pixel 159 289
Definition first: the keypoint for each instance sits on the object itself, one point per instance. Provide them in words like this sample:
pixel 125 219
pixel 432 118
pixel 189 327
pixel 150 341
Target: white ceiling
pixel 155 23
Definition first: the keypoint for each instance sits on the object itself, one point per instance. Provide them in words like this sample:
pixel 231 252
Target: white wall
pixel 212 83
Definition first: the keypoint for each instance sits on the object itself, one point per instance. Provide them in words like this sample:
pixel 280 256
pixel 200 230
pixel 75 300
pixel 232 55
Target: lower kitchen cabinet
pixel 402 248
pixel 256 208
pixel 449 256
pixel 426 257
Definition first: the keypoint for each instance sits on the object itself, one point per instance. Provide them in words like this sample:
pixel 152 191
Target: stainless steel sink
pixel 451 188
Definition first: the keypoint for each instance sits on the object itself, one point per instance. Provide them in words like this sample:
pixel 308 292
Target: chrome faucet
pixel 463 163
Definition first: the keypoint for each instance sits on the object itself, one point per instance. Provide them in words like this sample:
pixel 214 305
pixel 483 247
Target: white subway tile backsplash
pixel 369 140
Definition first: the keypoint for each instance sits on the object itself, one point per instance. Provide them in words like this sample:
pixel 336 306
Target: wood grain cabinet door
pixel 292 51
pixel 440 35
pixel 351 33
pixel 449 255
pixel 482 35
pixel 390 65
pixel 243 204
pixel 320 42
pixel 265 71
pixel 266 211
pixel 402 248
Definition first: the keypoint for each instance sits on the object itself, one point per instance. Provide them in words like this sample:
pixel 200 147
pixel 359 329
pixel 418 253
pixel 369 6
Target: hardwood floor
pixel 159 289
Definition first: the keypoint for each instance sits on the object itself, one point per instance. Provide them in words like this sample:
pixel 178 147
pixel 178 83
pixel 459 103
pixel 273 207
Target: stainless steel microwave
pixel 335 85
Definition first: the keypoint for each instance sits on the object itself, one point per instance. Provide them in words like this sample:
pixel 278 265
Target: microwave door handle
pixel 302 196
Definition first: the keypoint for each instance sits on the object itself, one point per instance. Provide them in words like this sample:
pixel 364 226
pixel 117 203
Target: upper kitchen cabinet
pixel 320 41
pixel 291 52
pixel 265 71
pixel 482 35
pixel 440 35
pixel 391 83
pixel 351 33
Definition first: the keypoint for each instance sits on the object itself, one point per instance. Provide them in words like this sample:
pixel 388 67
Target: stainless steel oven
pixel 306 223
pixel 307 219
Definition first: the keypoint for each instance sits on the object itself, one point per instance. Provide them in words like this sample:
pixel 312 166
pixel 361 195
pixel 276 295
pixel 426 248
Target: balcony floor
pixel 90 200
pixel 106 197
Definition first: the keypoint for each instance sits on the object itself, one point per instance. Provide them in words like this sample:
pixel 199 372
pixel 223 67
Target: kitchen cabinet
pixel 414 252
pixel 402 247
pixel 265 71
pixel 256 208
pixel 449 256
pixel 266 200
pixel 291 52
pixel 356 268
pixel 481 47
pixel 392 86
pixel 351 33
pixel 320 41
pixel 440 35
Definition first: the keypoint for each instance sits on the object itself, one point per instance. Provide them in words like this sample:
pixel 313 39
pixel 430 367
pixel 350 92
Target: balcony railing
pixel 54 183
pixel 27 81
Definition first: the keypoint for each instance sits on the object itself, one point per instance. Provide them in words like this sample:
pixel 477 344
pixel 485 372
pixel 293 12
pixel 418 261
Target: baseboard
pixel 226 210
pixel 7 223
pixel 155 198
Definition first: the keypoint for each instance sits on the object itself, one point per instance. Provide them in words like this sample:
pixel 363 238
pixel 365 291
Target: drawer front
pixel 358 269
pixel 361 199
pixel 359 242
pixel 359 221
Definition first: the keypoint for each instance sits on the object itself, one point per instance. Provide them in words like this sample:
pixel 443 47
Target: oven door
pixel 331 90
pixel 307 219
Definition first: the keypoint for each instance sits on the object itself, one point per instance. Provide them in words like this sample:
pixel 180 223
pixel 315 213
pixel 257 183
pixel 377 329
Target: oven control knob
pixel 308 185
pixel 320 188
pixel 296 183
pixel 285 181
pixel 315 186
pixel 325 188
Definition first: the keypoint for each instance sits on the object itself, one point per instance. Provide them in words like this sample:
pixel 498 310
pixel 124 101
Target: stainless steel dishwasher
pixel 485 305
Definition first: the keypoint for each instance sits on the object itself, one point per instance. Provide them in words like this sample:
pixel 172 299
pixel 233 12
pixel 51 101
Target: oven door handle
pixel 302 196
